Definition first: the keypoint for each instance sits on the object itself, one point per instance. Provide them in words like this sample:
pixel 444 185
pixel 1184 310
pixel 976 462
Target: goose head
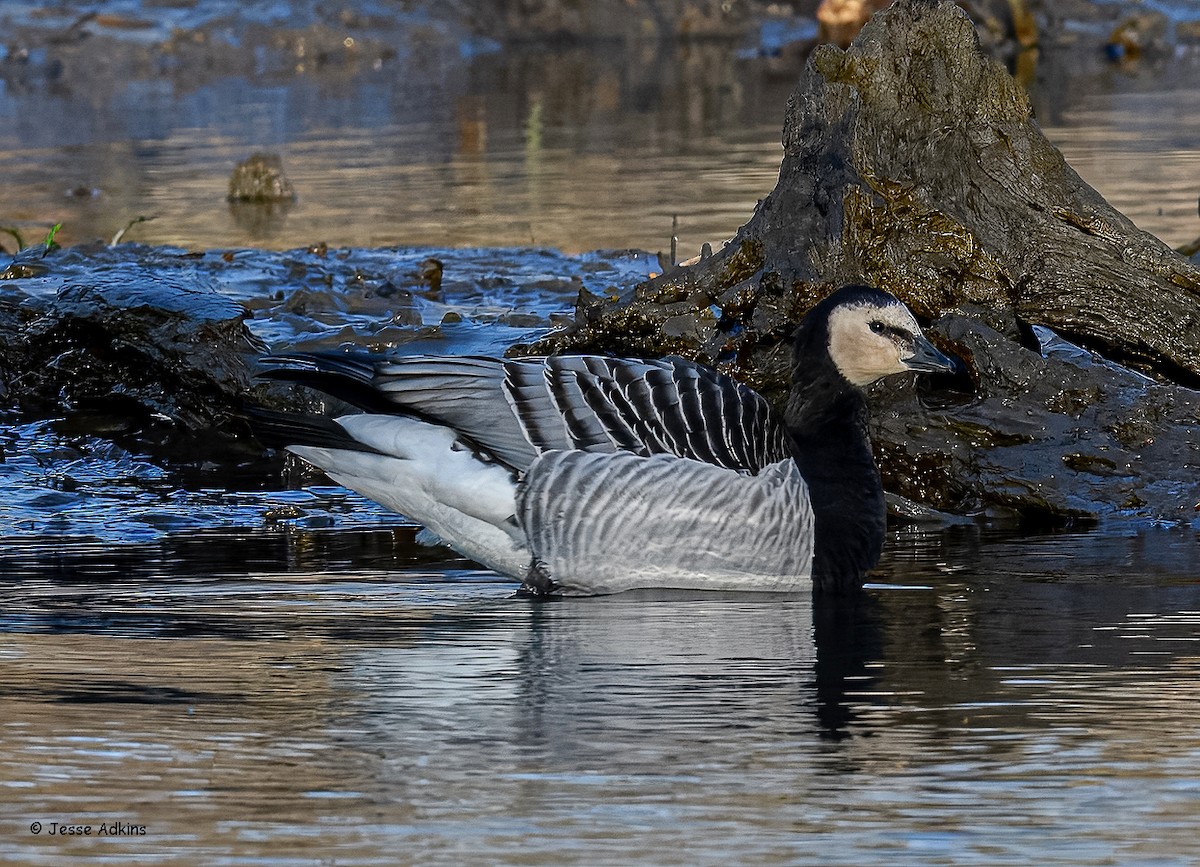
pixel 869 334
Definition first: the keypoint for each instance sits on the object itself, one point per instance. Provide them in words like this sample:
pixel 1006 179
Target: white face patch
pixel 867 342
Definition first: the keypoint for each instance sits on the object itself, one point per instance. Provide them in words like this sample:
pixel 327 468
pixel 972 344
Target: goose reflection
pixel 612 675
pixel 613 683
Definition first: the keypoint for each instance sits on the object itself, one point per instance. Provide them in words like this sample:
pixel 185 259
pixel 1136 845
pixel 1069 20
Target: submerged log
pixel 912 162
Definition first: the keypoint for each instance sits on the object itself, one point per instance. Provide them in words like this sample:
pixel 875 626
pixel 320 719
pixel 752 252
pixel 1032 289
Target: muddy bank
pixel 156 348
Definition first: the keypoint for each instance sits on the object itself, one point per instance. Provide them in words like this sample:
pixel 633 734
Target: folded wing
pixel 513 410
pixel 670 406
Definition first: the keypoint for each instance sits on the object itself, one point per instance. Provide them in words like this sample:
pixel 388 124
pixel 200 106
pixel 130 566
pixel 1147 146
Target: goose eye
pixel 878 327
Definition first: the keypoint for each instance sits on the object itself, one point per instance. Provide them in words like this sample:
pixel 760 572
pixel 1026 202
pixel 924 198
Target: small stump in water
pixel 260 179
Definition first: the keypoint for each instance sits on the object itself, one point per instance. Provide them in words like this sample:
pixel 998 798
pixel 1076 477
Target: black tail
pixel 347 377
pixel 279 430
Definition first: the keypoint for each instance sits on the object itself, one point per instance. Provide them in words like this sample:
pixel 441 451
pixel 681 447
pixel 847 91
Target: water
pixel 431 148
pixel 241 674
pixel 334 699
pixel 1137 146
pixel 570 147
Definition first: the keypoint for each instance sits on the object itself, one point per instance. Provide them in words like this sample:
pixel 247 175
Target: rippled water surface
pixel 445 142
pixel 307 697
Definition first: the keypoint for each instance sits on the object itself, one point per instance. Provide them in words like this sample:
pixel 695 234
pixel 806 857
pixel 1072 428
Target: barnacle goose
pixel 591 475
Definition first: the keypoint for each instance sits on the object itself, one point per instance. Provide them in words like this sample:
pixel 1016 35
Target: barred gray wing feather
pixel 512 410
pixel 603 523
pixel 671 406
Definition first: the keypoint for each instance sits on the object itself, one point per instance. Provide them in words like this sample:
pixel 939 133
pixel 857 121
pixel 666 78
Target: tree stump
pixel 912 162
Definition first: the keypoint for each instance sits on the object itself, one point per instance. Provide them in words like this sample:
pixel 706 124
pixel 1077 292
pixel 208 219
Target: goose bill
pixel 927 358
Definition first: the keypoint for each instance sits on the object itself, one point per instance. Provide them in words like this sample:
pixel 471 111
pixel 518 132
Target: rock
pixel 429 275
pixel 1049 436
pixel 260 195
pixel 912 162
pixel 155 348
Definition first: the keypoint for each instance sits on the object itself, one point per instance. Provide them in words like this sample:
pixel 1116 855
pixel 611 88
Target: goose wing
pixel 513 410
pixel 670 406
pixel 464 393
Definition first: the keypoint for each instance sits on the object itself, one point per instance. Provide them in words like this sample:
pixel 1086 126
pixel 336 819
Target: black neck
pixel 827 423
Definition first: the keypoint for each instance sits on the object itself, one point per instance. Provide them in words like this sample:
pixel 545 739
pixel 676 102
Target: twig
pixel 121 234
